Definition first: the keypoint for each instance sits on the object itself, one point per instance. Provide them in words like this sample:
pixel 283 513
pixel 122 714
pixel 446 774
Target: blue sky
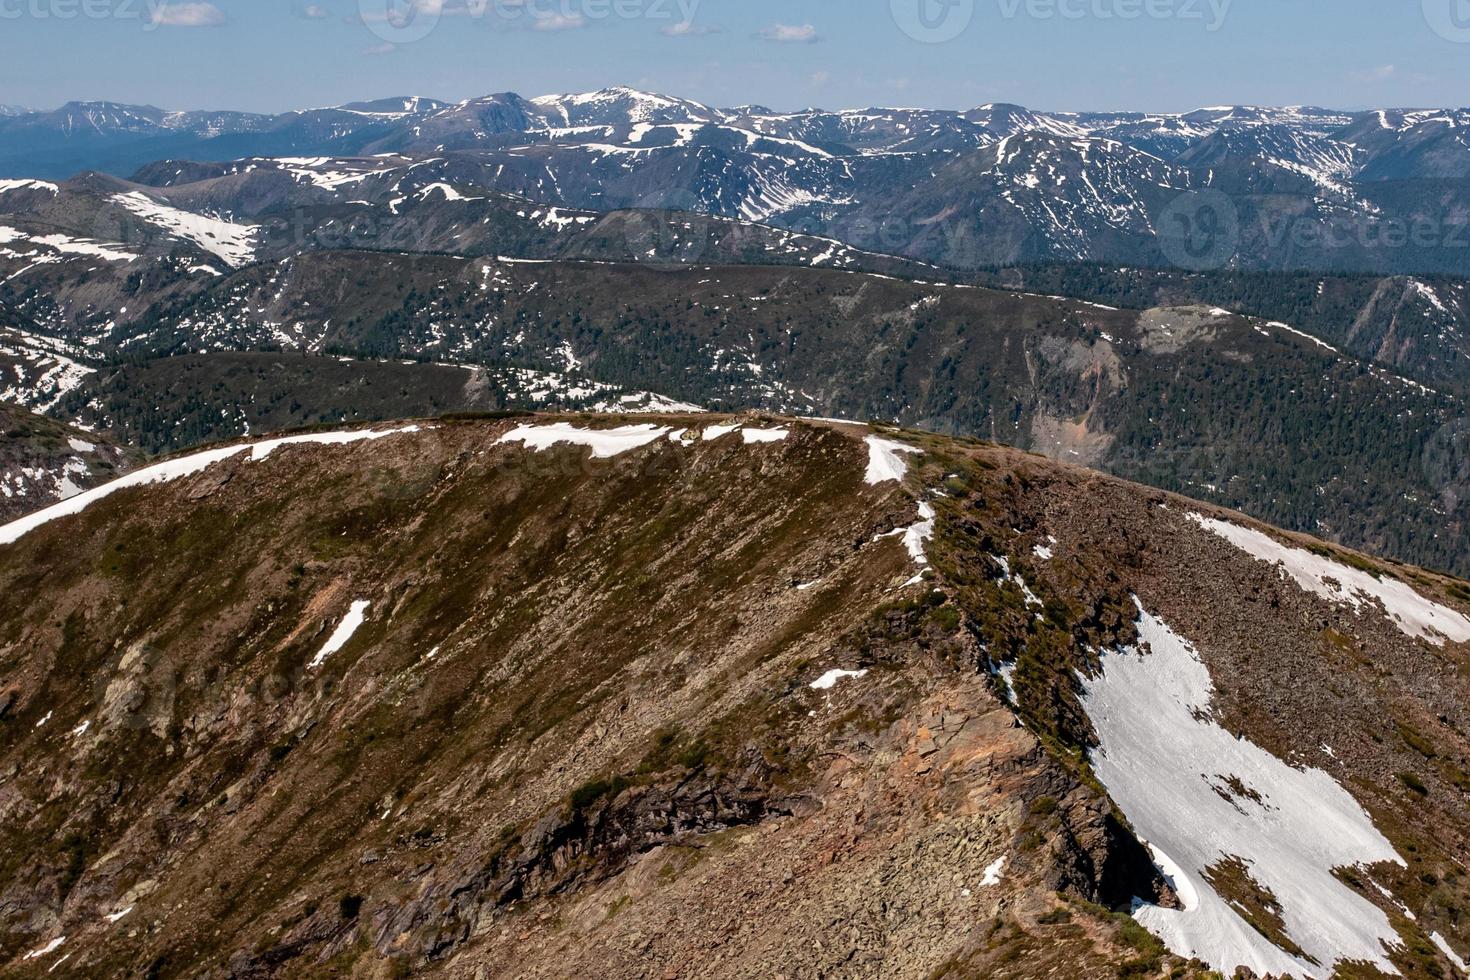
pixel 1166 55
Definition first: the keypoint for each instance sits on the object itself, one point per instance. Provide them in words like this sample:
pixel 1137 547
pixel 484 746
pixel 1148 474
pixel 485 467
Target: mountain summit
pixel 709 696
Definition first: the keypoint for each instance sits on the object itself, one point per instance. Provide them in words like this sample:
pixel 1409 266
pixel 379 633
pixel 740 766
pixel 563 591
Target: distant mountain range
pixel 689 676
pixel 1273 188
pixel 626 251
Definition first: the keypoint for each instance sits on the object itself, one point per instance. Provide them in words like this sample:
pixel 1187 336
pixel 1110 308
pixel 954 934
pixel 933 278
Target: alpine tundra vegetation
pixel 625 535
pixel 539 696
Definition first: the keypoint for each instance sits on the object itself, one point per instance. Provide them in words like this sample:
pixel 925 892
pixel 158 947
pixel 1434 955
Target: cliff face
pixel 705 697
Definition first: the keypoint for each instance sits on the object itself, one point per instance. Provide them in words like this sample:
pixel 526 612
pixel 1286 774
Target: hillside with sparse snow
pixel 671 696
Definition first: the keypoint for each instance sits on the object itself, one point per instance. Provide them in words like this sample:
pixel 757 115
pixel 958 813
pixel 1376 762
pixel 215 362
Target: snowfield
pixel 884 460
pixel 46 369
pixel 1198 795
pixel 182 466
pixel 65 244
pixel 235 244
pixel 6 186
pixel 1412 613
pixel 607 443
pixel 604 443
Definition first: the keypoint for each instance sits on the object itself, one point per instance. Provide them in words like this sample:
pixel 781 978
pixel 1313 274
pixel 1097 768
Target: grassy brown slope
pixel 575 733
pixel 1292 673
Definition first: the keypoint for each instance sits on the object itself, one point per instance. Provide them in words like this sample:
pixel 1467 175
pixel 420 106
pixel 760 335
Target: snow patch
pixel 829 680
pixel 604 443
pixel 1415 615
pixel 1199 795
pixel 884 461
pixel 342 633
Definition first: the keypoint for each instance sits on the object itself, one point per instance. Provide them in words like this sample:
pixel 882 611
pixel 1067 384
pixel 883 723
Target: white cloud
pixel 402 14
pixel 387 47
pixel 789 34
pixel 559 22
pixel 687 28
pixel 1380 74
pixel 314 11
pixel 187 15
pixel 820 77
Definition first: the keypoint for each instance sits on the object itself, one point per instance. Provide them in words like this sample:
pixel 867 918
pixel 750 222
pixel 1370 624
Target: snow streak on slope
pixel 604 443
pixel 341 634
pixel 1200 796
pixel 884 461
pixel 183 466
pixel 915 535
pixel 1410 612
pixel 1448 950
pixel 233 243
pixel 6 186
pixel 65 244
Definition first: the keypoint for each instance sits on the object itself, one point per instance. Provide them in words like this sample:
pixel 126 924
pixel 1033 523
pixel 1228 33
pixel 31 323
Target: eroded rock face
pixel 691 709
pixel 139 693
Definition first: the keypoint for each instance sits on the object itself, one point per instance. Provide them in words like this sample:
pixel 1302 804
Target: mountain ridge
pixel 1306 188
pixel 864 663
